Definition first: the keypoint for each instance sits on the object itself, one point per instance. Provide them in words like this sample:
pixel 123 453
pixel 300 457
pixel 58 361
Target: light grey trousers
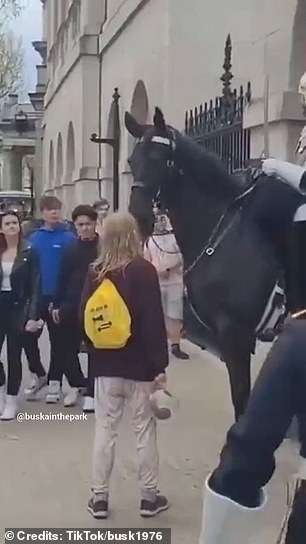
pixel 111 396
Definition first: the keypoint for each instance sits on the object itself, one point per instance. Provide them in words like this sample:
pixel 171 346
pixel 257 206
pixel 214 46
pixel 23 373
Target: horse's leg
pixel 236 350
pixel 239 371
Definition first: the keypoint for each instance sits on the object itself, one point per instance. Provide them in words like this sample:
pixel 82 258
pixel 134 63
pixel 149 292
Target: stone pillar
pixel 44 17
pixel 92 16
pixel 12 169
pixel 38 163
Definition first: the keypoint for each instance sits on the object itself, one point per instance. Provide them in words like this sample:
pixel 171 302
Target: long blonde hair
pixel 120 244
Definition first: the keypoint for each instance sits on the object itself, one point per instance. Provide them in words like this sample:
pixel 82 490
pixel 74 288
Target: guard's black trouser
pixel 247 459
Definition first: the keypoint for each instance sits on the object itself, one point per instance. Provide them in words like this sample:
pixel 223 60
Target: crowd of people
pixel 99 289
pixel 68 276
pixel 43 266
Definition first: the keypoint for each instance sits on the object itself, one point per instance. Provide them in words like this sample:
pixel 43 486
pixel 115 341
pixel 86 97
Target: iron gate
pixel 218 126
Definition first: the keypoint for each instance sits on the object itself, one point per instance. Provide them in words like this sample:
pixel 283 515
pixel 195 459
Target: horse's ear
pixel 159 120
pixel 132 126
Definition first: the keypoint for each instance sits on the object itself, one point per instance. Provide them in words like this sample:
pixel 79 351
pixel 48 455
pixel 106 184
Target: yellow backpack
pixel 107 320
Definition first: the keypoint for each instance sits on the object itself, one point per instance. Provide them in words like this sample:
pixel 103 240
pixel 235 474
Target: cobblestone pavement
pixel 45 466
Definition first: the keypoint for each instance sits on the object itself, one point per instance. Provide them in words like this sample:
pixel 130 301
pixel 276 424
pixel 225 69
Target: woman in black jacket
pixel 19 304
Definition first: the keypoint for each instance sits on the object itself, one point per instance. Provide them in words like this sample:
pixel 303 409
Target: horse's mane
pixel 204 168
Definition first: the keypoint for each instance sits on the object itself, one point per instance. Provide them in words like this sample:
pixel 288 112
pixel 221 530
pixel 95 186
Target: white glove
pixel 288 172
pixel 269 167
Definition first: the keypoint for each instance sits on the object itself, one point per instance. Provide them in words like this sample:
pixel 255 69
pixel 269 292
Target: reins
pixel 211 246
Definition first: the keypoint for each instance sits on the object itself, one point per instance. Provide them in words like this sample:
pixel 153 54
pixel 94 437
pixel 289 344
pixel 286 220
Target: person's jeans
pixel 70 345
pixel 31 349
pixel 90 379
pixel 111 395
pixel 55 369
pixel 9 330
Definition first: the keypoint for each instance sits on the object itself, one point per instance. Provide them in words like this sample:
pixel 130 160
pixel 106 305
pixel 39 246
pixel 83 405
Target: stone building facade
pixel 157 52
pixel 71 29
pixel 17 143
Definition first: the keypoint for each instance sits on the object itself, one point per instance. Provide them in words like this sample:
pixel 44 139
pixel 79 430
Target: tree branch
pixel 10 49
pixel 10 63
pixel 10 7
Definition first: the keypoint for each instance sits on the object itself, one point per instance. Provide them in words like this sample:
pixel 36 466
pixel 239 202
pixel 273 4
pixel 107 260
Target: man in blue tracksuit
pixel 49 241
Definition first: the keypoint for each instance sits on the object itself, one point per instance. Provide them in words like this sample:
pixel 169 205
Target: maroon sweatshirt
pixel 146 353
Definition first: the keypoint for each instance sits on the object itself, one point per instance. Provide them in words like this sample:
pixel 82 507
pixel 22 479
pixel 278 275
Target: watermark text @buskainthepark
pixel 41 416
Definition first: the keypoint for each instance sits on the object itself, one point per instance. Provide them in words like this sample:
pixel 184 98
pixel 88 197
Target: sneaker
pixel 89 405
pixel 71 397
pixel 178 353
pixel 2 398
pixel 36 385
pixel 53 395
pixel 98 507
pixel 10 408
pixel 149 509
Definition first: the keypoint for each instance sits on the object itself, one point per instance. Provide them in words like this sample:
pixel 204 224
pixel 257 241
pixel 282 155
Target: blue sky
pixel 29 27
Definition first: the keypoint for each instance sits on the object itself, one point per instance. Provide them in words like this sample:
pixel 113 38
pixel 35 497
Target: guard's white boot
pixel 2 398
pixel 227 522
pixel 301 474
pixel 10 408
pixel 289 172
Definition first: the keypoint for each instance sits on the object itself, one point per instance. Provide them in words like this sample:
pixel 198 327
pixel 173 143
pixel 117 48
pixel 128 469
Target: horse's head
pixel 149 164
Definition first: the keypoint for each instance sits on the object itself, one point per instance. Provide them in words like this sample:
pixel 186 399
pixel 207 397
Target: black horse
pixel 233 238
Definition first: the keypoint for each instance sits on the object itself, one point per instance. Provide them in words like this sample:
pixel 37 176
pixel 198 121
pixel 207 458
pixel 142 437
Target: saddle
pixel 248 175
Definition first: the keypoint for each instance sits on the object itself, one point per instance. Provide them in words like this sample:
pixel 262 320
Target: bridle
pixel 162 140
pixel 216 236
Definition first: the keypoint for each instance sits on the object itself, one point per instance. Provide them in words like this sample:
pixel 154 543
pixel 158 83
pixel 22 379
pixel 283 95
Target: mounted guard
pixel 234 496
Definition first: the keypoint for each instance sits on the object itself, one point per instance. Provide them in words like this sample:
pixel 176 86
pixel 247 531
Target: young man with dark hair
pixel 76 260
pixel 49 241
pixel 102 208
